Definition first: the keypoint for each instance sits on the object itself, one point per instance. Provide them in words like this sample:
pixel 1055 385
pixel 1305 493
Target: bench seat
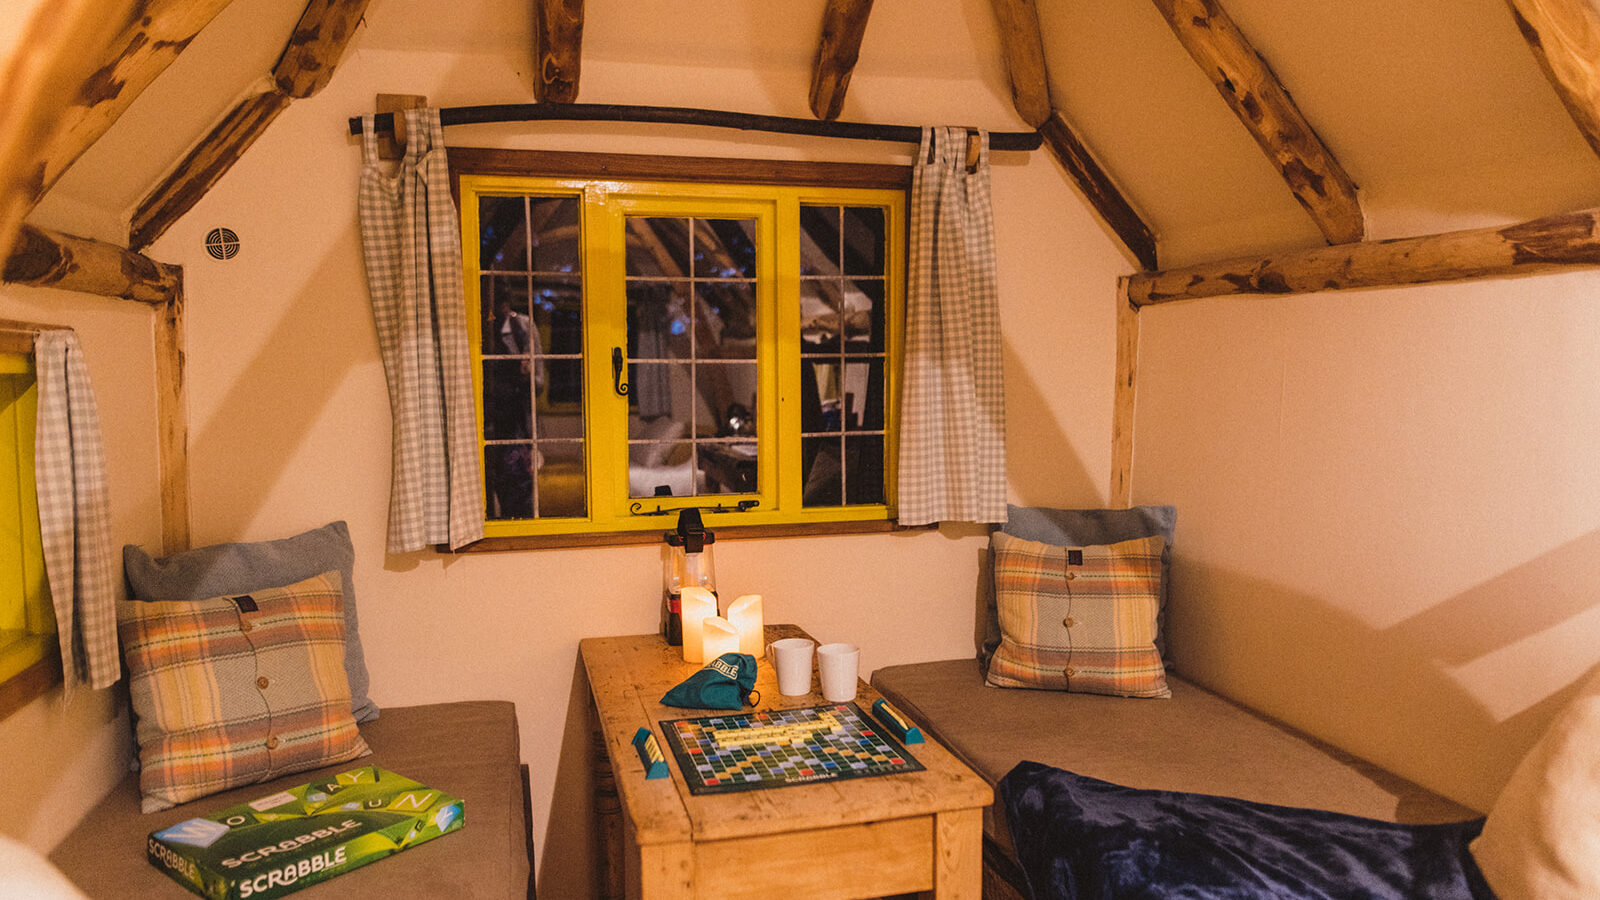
pixel 468 749
pixel 1197 741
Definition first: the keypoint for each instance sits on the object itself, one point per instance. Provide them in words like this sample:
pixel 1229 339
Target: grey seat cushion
pixel 468 749
pixel 1197 742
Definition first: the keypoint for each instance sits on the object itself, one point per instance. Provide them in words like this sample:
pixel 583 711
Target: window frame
pixel 670 180
pixel 30 663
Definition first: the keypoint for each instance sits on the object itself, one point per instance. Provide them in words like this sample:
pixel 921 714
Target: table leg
pixel 958 855
pixel 610 878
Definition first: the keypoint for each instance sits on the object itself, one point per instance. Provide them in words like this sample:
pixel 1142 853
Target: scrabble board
pixel 772 748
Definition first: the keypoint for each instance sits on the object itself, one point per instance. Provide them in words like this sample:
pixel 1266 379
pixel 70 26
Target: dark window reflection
pixel 864 316
pixel 558 313
pixel 819 317
pixel 508 479
pixel 557 240
pixel 724 248
pixel 561 479
pixel 863 240
pixel 504 297
pixel 820 471
pixel 725 321
pixel 863 473
pixel 657 247
pixel 658 320
pixel 819 240
pixel 531 338
pixel 507 400
pixel 843 330
pixel 728 468
pixel 502 234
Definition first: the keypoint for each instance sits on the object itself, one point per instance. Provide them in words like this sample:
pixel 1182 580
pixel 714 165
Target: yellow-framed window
pixel 640 346
pixel 27 619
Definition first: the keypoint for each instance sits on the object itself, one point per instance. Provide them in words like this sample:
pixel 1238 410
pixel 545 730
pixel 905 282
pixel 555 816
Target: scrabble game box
pixel 279 844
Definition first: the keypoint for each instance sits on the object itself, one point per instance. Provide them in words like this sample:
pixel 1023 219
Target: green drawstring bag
pixel 726 682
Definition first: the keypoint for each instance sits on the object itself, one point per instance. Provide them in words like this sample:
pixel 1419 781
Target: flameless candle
pixel 745 614
pixel 699 604
pixel 719 637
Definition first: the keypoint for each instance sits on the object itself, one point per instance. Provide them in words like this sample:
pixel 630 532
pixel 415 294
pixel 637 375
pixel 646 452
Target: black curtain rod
pixel 673 115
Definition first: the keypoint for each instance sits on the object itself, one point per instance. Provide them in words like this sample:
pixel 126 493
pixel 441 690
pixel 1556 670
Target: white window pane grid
pixel 688 284
pixel 833 286
pixel 533 221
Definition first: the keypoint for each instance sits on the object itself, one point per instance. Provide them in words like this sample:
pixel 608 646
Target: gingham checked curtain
pixel 411 240
pixel 75 513
pixel 952 419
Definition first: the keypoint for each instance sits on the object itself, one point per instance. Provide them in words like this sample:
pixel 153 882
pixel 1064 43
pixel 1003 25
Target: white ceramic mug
pixel 792 658
pixel 839 665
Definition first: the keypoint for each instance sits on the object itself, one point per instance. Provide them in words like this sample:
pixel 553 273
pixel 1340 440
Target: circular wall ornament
pixel 222 243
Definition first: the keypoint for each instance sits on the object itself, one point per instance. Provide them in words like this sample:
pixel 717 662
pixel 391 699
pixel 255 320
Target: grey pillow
pixel 1083 528
pixel 244 567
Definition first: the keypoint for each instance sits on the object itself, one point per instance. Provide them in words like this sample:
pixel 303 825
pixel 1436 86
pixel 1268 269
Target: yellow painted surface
pixel 606 205
pixel 27 621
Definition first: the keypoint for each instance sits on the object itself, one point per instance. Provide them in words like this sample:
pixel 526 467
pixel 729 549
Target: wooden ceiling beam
pixel 1024 49
pixel 142 51
pixel 1256 96
pixel 1030 93
pixel 1565 38
pixel 315 47
pixel 1554 242
pixel 1097 188
pixel 558 50
pixel 42 258
pixel 305 67
pixel 204 166
pixel 58 46
pixel 844 24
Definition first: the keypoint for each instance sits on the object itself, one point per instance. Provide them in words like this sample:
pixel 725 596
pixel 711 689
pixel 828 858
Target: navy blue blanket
pixel 1082 839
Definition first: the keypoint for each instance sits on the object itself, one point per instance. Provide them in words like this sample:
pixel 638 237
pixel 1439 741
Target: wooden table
pixel 863 837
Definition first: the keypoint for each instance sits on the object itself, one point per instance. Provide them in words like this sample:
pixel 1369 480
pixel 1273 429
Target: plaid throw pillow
pixel 238 690
pixel 1080 619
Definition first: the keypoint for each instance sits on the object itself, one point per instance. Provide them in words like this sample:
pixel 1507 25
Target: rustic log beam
pixel 1123 399
pixel 1097 188
pixel 315 47
pixel 50 259
pixel 1255 95
pixel 1561 241
pixel 172 414
pixel 558 49
pixel 58 45
pixel 304 68
pixel 844 23
pixel 143 50
pixel 204 166
pixel 1565 37
pixel 1024 49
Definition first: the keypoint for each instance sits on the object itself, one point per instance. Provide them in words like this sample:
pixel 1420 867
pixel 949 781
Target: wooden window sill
pixel 631 538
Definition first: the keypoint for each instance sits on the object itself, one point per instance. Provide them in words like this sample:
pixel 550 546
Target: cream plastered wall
pixel 290 423
pixel 1389 511
pixel 60 757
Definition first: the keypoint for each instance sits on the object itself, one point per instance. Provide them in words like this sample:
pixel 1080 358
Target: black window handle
pixel 616 372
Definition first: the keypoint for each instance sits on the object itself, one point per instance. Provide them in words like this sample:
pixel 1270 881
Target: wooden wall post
pixel 1122 403
pixel 172 413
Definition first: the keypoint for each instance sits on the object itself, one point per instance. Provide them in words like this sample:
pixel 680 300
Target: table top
pixel 629 675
